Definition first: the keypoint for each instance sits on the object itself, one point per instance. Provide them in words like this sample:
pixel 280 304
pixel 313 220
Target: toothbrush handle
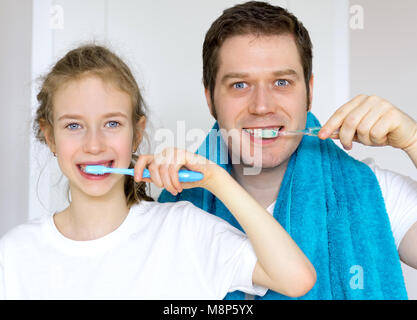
pixel 313 131
pixel 190 176
pixel 121 171
pixel 183 175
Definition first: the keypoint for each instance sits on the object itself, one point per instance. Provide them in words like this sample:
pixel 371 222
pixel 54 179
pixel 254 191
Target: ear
pixel 210 103
pixel 311 85
pixel 140 129
pixel 48 133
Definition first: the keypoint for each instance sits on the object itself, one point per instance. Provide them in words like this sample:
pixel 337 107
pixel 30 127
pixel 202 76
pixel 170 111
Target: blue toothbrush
pixel 184 175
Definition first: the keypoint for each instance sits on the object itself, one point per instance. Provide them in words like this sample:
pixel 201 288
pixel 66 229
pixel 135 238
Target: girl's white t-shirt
pixel 160 251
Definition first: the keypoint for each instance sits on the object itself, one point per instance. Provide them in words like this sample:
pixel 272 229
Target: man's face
pixel 260 88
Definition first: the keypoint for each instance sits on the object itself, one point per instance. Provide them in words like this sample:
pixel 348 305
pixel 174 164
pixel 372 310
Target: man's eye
pixel 240 85
pixel 72 126
pixel 112 124
pixel 282 83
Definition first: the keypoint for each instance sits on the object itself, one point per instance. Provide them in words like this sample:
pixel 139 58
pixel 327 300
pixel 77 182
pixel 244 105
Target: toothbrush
pixel 273 133
pixel 184 175
pixel 314 132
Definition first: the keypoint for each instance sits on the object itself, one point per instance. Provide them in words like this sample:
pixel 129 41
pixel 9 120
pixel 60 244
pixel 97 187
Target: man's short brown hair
pixel 259 19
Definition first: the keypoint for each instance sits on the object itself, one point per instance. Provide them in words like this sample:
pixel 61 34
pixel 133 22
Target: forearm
pixel 281 259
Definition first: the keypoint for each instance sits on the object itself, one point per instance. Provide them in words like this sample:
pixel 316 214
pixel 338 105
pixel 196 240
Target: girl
pixel 113 241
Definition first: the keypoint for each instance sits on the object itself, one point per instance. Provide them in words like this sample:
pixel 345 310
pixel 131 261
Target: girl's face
pixel 92 125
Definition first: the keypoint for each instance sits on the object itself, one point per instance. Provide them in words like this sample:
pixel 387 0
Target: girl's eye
pixel 282 83
pixel 240 85
pixel 72 126
pixel 112 124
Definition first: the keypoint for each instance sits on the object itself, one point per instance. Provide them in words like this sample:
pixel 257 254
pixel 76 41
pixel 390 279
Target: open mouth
pixel 263 133
pixel 82 166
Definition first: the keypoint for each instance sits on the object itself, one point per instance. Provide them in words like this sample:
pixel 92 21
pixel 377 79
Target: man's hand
pixel 372 121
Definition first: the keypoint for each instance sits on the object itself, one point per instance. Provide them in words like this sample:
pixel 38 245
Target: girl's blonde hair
pixel 101 62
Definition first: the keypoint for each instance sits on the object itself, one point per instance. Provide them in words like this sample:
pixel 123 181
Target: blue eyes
pixel 74 126
pixel 244 85
pixel 240 85
pixel 282 83
pixel 112 124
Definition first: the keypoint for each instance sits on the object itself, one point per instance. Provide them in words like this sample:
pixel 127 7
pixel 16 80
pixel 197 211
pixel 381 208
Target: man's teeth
pixel 263 133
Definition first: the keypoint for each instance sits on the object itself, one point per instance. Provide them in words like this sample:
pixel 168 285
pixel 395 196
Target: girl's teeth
pixel 82 166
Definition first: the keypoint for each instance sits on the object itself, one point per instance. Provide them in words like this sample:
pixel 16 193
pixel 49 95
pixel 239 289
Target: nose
pixel 262 102
pixel 94 142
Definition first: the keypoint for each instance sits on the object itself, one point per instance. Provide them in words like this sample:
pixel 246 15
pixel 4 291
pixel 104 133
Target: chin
pixel 95 189
pixel 264 164
pixel 267 161
pixel 95 192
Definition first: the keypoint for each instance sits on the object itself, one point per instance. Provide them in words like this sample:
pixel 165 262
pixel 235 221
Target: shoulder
pixel 160 208
pixel 24 234
pixel 388 178
pixel 399 192
pixel 370 162
pixel 400 196
pixel 166 208
pixel 379 173
pixel 180 212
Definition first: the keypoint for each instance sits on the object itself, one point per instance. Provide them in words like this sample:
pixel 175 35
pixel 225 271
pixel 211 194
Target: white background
pixel 162 41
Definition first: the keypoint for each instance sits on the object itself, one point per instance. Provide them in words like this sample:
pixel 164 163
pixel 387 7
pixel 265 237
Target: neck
pixel 263 187
pixel 89 218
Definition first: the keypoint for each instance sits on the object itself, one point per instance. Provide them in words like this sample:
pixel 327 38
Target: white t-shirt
pixel 160 251
pixel 400 196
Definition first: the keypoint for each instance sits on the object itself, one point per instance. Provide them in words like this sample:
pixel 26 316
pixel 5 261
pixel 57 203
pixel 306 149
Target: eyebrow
pixel 107 115
pixel 243 75
pixel 286 72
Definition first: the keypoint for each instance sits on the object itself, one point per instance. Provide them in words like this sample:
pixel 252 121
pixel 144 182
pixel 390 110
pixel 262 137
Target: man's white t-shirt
pixel 160 251
pixel 400 197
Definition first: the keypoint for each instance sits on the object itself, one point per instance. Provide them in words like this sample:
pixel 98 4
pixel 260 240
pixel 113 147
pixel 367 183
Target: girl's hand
pixel 372 121
pixel 164 167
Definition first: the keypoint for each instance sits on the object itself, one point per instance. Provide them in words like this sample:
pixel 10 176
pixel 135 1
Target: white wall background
pixel 383 62
pixel 162 40
pixel 15 83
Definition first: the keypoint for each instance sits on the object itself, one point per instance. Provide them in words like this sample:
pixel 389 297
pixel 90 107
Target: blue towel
pixel 332 206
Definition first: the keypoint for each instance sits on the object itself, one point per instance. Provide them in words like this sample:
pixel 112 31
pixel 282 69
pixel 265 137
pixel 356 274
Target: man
pixel 257 66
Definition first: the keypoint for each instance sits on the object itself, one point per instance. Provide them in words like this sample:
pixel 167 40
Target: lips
pixel 88 176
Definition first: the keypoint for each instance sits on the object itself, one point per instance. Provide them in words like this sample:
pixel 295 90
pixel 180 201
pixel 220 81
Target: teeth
pixel 82 166
pixel 264 133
